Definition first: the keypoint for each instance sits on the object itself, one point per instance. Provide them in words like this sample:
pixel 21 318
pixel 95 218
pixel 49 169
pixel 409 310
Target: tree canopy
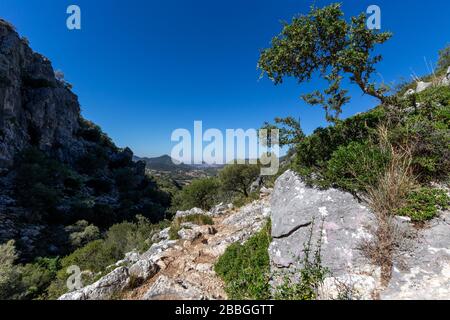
pixel 324 43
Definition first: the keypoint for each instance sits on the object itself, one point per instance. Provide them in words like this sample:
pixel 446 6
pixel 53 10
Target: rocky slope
pixel 184 269
pixel 181 269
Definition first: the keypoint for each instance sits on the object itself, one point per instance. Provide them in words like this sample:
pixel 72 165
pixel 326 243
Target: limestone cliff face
pixel 35 108
pixel 96 182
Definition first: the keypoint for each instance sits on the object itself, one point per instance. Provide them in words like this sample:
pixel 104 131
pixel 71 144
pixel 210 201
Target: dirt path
pixel 187 269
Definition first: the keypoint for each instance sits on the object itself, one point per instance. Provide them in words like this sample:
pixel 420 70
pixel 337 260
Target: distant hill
pixel 164 168
pixel 166 163
pixel 163 163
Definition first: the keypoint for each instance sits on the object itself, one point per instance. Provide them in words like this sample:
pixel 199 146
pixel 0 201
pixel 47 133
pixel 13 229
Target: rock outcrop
pixel 341 225
pixel 182 269
pixel 335 218
pixel 35 108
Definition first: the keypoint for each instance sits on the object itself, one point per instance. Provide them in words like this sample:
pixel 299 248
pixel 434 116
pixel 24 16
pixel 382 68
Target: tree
pixel 200 193
pixel 323 42
pixel 238 177
pixel 290 131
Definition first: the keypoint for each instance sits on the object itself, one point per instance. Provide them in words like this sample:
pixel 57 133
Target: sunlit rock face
pixel 35 108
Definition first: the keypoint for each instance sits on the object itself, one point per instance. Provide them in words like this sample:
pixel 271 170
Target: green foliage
pixel 93 161
pixel 89 131
pixel 245 268
pixel 316 150
pixel 290 131
pixel 444 59
pixel 9 276
pixel 427 129
pixel 82 233
pixel 201 193
pixel 28 281
pixel 37 276
pixel 97 255
pixel 238 177
pixel 356 166
pixel 323 42
pixel 41 182
pixel 423 204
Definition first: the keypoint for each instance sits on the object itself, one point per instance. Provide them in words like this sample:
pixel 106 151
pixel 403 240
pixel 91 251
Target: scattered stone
pixel 422 86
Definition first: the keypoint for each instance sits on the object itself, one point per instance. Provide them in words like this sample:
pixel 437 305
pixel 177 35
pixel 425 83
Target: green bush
pixel 423 204
pixel 200 193
pixel 444 59
pixel 10 284
pixel 82 233
pixel 317 149
pixel 426 128
pixel 36 277
pixel 356 166
pixel 89 131
pixel 97 255
pixel 245 269
pixel 93 161
pixel 41 182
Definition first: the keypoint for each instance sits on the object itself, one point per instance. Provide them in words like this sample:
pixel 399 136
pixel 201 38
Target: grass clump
pixel 245 268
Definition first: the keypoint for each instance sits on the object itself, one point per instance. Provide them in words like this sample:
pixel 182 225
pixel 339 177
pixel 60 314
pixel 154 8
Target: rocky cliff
pixel 35 108
pixel 56 168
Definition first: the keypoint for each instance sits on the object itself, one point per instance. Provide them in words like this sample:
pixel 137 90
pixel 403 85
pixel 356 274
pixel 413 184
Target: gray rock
pixel 294 207
pixel 219 210
pixel 103 289
pixel 446 79
pixel 34 106
pixel 409 92
pixel 171 289
pixel 422 86
pixel 191 212
pixel 423 272
pixel 143 269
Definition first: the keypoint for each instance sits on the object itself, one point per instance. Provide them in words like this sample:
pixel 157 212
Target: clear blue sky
pixel 144 68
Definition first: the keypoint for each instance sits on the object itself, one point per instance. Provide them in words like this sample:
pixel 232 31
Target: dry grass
pixel 384 198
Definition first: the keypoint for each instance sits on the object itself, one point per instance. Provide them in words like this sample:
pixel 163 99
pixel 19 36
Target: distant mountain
pixel 166 163
pixel 163 163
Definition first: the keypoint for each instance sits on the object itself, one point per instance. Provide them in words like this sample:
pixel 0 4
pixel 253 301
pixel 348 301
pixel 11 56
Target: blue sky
pixel 144 68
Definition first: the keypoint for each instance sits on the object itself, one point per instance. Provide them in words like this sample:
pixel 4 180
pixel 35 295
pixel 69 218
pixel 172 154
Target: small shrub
pixel 245 269
pixel 423 204
pixel 10 284
pixel 444 58
pixel 356 166
pixel 82 233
